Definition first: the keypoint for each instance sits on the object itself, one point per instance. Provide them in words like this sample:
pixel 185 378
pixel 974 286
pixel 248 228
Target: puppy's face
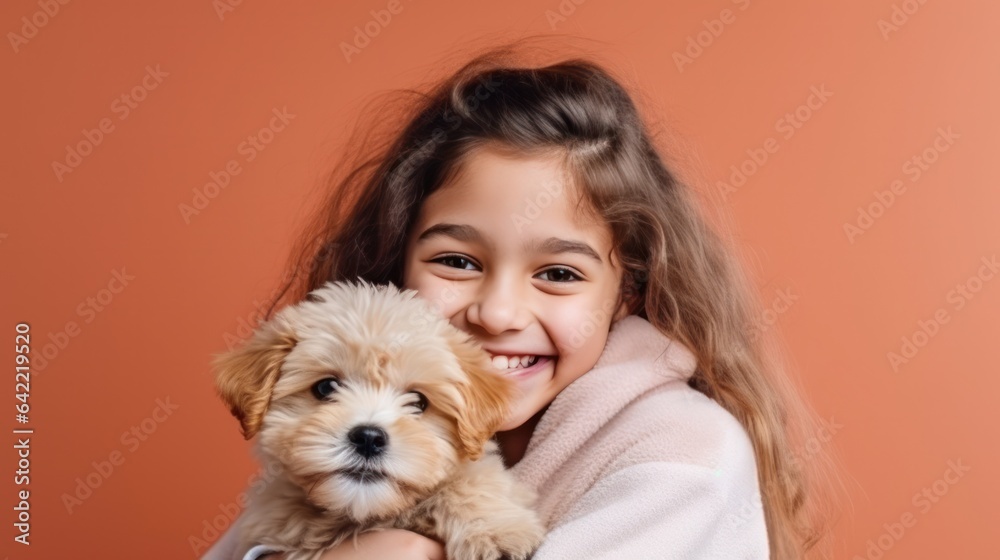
pixel 365 396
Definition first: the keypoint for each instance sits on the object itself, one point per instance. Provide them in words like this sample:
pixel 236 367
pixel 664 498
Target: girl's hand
pixel 397 544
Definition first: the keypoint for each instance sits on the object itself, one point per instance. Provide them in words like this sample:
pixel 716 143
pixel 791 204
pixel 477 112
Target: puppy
pixel 376 413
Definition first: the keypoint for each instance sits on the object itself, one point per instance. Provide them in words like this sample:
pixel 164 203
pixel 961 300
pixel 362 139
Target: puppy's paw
pixel 518 541
pixel 474 547
pixel 513 541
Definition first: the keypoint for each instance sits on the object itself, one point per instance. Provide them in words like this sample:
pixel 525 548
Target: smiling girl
pixel 529 205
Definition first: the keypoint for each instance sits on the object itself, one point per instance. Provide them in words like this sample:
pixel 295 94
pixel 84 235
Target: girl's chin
pixel 515 421
pixel 533 385
pixel 511 424
pixel 522 417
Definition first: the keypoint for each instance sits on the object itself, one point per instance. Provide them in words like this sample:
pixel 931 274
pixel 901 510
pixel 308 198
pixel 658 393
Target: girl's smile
pixel 504 252
pixel 522 372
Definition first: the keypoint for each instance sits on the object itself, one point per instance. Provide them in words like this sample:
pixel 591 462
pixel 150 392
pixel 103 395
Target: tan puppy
pixel 378 413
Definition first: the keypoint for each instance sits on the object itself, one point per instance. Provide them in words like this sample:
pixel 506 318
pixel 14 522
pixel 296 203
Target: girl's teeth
pixel 503 362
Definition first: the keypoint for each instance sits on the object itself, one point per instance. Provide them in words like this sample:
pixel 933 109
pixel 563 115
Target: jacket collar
pixel 636 359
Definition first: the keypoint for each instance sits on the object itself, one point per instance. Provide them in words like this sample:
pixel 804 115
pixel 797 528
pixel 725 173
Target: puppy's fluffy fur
pixel 376 413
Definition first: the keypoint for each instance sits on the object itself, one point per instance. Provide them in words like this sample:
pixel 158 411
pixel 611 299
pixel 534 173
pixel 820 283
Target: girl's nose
pixel 498 307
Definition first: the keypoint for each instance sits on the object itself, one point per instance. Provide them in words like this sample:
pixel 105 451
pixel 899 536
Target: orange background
pixel 194 284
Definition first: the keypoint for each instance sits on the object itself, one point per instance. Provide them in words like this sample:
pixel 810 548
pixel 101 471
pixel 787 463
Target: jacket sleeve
pixel 226 547
pixel 664 511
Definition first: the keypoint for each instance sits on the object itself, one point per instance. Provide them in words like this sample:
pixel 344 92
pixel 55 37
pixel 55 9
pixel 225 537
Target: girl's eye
pixel 454 261
pixel 421 403
pixel 562 275
pixel 325 387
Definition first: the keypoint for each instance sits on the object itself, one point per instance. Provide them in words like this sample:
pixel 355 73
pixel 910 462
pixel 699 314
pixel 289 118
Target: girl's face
pixel 502 254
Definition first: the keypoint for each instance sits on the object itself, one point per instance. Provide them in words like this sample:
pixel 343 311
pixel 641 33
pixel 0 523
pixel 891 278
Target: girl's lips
pixel 525 372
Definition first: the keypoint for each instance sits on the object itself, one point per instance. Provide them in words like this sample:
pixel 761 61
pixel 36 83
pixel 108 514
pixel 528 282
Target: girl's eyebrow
pixel 469 234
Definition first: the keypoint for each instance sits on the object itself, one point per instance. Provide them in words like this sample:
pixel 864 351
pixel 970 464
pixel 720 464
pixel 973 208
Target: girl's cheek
pixel 582 327
pixel 443 295
pixel 567 332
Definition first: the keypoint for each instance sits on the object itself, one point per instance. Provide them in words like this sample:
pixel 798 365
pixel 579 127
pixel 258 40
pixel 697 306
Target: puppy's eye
pixel 325 387
pixel 421 403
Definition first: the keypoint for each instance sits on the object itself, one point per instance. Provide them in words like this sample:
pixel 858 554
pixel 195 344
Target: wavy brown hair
pixel 678 272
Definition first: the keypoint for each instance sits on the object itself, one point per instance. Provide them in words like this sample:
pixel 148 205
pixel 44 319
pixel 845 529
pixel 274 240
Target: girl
pixel 528 203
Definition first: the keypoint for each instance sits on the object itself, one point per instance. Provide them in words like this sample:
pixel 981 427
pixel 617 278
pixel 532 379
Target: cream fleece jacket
pixel 630 463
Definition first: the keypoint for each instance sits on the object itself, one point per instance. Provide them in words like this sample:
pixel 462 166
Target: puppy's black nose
pixel 368 441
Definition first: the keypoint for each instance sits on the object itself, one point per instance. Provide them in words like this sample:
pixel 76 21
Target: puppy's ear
pixel 487 395
pixel 245 377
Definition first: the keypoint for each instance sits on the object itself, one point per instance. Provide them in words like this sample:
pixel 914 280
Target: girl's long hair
pixel 679 274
